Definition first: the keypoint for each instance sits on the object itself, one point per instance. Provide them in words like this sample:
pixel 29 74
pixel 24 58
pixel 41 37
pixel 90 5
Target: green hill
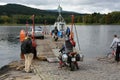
pixel 16 13
pixel 11 9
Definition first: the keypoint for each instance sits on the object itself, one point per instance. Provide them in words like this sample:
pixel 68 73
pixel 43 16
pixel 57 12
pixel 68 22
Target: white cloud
pixel 81 6
pixel 3 3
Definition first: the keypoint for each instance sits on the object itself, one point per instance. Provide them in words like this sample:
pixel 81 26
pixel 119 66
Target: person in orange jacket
pixel 22 37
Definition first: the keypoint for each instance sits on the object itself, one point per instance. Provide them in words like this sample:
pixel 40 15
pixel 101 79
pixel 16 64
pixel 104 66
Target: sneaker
pixel 24 71
pixel 30 72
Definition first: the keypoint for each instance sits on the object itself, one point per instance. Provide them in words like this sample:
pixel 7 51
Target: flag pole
pixel 33 27
pixel 26 27
pixel 71 33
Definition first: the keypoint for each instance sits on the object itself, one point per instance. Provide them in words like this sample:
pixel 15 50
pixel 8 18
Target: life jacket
pixel 22 35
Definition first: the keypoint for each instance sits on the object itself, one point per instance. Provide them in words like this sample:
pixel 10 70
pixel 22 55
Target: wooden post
pixel 26 27
pixel 71 33
pixel 33 27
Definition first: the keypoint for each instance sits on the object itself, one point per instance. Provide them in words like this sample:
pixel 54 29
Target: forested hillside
pixel 19 14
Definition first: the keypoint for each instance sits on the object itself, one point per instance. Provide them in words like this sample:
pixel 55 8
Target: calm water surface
pixel 9 44
pixel 94 41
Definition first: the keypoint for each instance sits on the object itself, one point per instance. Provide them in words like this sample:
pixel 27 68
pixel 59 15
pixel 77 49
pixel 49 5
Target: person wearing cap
pixel 114 42
pixel 27 49
pixel 67 31
pixel 54 34
pixel 55 31
pixel 114 45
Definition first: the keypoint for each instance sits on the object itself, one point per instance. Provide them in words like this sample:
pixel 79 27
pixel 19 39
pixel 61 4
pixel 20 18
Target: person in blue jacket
pixel 67 32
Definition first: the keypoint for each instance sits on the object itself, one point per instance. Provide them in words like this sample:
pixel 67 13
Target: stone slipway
pixel 47 51
pixel 90 68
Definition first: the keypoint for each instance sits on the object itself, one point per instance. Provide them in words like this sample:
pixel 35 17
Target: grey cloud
pixel 74 5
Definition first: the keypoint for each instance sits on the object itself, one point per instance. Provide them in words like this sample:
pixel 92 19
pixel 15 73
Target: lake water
pixel 9 44
pixel 94 40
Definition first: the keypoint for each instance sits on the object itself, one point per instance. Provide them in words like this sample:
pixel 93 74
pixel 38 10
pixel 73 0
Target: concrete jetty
pixel 49 49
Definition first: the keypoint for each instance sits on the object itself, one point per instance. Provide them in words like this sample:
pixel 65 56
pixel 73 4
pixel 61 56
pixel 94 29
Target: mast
pixel 26 27
pixel 59 8
pixel 60 18
pixel 60 23
pixel 33 27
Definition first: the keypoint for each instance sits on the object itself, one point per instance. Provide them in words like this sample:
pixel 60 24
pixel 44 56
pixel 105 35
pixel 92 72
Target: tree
pixel 5 19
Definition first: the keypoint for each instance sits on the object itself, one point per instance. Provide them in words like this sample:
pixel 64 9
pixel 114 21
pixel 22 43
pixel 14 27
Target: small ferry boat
pixel 60 23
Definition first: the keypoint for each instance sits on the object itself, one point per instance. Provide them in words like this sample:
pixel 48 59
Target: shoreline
pixel 10 66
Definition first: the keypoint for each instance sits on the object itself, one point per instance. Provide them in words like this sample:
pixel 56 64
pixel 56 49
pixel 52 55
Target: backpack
pixel 68 31
pixel 118 47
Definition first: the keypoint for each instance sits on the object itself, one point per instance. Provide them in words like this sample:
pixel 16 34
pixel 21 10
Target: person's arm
pixel 34 43
pixel 63 47
pixel 112 44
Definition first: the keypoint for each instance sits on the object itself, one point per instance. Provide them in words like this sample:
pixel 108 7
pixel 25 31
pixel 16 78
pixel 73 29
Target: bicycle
pixel 111 54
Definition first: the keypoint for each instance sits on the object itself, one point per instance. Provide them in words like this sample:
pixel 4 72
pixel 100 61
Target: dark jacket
pixel 55 31
pixel 26 46
pixel 68 31
pixel 62 49
pixel 118 48
pixel 68 46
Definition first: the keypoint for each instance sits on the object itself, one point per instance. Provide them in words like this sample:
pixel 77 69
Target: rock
pixel 20 67
pixel 42 58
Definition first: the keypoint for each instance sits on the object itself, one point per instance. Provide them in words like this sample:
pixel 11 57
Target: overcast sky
pixel 81 6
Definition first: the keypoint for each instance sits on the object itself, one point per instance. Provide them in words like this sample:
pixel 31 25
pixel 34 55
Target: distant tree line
pixel 95 18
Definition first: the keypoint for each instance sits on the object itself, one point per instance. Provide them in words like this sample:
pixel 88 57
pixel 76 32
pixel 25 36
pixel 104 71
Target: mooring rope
pixel 77 37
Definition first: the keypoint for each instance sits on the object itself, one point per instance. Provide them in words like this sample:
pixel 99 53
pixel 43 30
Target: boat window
pixel 61 27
